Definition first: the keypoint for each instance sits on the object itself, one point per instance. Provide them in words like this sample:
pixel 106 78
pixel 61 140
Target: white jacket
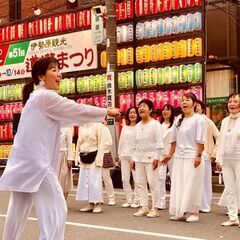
pixel 36 145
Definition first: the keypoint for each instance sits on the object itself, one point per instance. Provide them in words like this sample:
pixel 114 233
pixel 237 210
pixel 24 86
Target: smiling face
pixel 133 115
pixel 166 113
pixel 234 104
pixel 52 77
pixel 187 105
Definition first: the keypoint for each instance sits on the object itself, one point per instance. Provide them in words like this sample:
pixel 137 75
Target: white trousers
pixel 126 174
pixel 145 174
pixel 231 178
pixel 50 206
pixel 108 183
pixel 90 185
pixel 162 180
pixel 207 187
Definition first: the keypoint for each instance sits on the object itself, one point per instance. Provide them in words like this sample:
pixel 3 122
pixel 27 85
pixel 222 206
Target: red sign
pixel 3 53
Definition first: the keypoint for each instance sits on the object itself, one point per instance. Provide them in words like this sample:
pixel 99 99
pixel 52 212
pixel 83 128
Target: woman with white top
pixel 126 142
pixel 66 160
pixel 30 173
pixel 90 139
pixel 228 158
pixel 209 154
pixel 187 142
pixel 146 155
pixel 167 122
pixel 107 164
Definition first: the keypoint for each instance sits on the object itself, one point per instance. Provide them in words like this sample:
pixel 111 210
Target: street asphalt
pixel 117 223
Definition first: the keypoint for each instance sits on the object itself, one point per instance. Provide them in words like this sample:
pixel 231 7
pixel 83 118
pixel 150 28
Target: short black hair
pixel 148 102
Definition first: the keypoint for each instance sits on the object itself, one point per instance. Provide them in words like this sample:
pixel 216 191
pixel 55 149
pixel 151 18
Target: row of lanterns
pixel 11 92
pixel 191 73
pixel 160 27
pixel 7 110
pixel 158 98
pixel 47 25
pixel 157 52
pixel 82 19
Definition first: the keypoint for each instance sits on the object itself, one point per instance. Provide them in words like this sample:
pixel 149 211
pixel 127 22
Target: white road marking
pixel 122 193
pixel 132 231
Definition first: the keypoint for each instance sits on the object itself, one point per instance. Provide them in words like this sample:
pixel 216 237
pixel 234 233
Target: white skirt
pixel 186 186
pixel 90 185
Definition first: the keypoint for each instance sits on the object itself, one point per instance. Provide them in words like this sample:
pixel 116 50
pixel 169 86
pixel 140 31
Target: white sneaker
pixel 97 209
pixel 135 205
pixel 230 223
pixel 153 213
pixel 111 203
pixel 126 205
pixel 162 206
pixel 87 209
pixel 141 212
pixel 192 218
pixel 205 210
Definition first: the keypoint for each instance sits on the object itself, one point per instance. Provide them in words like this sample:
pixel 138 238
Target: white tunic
pixel 148 142
pixel 126 141
pixel 36 145
pixel 191 132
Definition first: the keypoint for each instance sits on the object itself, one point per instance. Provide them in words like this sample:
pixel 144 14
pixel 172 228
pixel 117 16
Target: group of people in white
pixel 182 147
pixel 185 145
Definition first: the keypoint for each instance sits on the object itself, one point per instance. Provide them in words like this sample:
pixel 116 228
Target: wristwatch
pixel 199 155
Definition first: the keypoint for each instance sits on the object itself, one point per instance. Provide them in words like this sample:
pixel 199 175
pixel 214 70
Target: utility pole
pixel 112 76
pixel 111 47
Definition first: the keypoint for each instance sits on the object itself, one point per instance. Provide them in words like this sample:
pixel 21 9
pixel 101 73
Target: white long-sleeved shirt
pixel 36 146
pixel 107 140
pixel 229 139
pixel 66 141
pixel 126 141
pixel 148 142
pixel 166 137
pixel 91 138
pixel 210 147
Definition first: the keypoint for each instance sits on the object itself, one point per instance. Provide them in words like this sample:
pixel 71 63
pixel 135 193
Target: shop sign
pixel 110 91
pixel 74 51
pixel 97 29
pixel 218 100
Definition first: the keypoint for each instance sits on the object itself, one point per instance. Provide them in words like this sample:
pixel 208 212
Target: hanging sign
pixel 74 51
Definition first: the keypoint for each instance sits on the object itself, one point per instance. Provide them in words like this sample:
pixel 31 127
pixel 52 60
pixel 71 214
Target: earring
pixel 41 83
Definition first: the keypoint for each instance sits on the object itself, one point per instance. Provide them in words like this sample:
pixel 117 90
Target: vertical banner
pixel 110 90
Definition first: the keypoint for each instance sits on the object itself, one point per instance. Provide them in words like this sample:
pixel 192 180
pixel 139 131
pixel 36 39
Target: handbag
pixel 88 158
pixel 108 160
